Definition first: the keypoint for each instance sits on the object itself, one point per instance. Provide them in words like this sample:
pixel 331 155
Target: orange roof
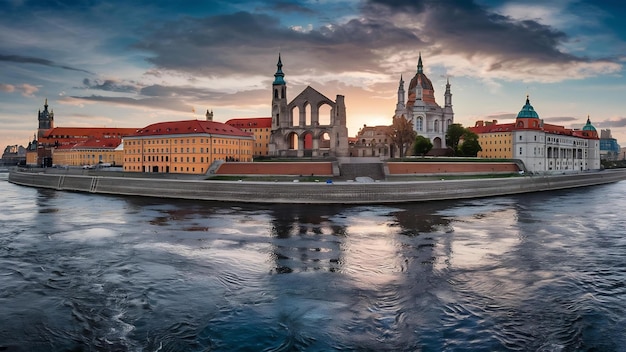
pixel 88 132
pixel 99 143
pixel 91 143
pixel 251 122
pixel 190 127
pixel 493 128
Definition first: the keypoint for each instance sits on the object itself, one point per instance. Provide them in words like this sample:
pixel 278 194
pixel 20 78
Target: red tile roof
pixel 189 127
pixel 251 122
pixel 493 128
pixel 99 143
pixel 547 128
pixel 87 132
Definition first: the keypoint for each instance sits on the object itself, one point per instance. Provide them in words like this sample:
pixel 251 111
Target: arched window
pixel 419 123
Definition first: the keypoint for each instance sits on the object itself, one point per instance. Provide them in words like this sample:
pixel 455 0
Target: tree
pixel 453 135
pixel 422 145
pixel 471 145
pixel 401 134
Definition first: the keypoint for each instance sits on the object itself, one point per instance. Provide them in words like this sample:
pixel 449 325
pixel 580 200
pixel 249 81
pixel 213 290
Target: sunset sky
pixel 133 63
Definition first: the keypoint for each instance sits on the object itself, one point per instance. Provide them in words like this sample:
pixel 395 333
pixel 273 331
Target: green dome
pixel 527 111
pixel 589 126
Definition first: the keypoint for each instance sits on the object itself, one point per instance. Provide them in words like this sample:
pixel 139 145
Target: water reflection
pixel 502 273
pixel 304 239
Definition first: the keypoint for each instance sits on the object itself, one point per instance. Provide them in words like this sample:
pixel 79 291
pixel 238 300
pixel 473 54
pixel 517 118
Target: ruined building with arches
pixel 311 125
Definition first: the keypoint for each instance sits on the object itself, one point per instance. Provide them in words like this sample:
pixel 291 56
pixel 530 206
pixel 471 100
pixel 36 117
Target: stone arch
pixel 324 139
pixel 325 114
pixel 293 140
pixel 437 143
pixel 295 117
pixel 307 140
pixel 305 120
pixel 308 114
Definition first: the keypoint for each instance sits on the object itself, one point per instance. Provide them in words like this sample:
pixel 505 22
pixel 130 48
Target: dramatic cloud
pixel 466 37
pixel 37 61
pixel 492 45
pixel 238 44
pixel 109 85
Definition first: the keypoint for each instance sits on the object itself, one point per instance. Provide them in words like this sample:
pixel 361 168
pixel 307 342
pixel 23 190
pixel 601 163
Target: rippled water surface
pixel 536 272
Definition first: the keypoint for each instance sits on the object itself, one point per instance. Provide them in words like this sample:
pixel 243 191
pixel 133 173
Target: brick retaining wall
pixel 428 168
pixel 277 168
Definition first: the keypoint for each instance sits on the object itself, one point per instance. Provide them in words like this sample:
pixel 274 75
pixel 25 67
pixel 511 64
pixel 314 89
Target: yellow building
pixel 496 140
pixel 92 152
pixel 185 147
pixel 260 127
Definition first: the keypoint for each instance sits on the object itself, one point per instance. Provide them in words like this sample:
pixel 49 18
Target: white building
pixel 542 147
pixel 429 119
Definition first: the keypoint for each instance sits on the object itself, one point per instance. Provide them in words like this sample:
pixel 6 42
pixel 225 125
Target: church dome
pixel 420 78
pixel 589 126
pixel 527 111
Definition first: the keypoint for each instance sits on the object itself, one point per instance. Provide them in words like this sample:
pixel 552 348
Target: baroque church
pixel 421 109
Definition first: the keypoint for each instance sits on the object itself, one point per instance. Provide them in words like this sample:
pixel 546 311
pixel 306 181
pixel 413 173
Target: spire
pixel 279 75
pixel 448 94
pixel 45 105
pixel 401 93
pixel 419 64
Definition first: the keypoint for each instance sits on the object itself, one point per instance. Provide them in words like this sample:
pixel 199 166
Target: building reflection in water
pixel 368 241
pixel 306 239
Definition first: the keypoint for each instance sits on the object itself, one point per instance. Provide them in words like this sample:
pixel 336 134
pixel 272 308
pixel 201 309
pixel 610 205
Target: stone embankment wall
pixel 391 168
pixel 313 192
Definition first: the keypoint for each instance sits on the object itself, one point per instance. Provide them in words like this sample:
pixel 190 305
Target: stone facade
pixel 542 147
pixel 299 128
pixel 428 118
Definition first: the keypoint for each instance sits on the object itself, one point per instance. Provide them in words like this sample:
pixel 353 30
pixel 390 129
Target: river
pixel 533 272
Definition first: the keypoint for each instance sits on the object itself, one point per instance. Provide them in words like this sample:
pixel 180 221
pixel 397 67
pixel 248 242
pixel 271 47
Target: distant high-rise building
pixel 609 148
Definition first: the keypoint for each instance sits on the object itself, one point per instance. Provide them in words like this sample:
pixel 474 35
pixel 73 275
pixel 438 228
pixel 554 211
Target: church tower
pixel 448 95
pixel 46 120
pixel 400 108
pixel 280 116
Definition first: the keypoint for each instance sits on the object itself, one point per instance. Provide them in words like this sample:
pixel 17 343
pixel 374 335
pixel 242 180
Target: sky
pixel 136 62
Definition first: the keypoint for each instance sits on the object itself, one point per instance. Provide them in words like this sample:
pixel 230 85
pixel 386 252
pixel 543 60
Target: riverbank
pixel 348 192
